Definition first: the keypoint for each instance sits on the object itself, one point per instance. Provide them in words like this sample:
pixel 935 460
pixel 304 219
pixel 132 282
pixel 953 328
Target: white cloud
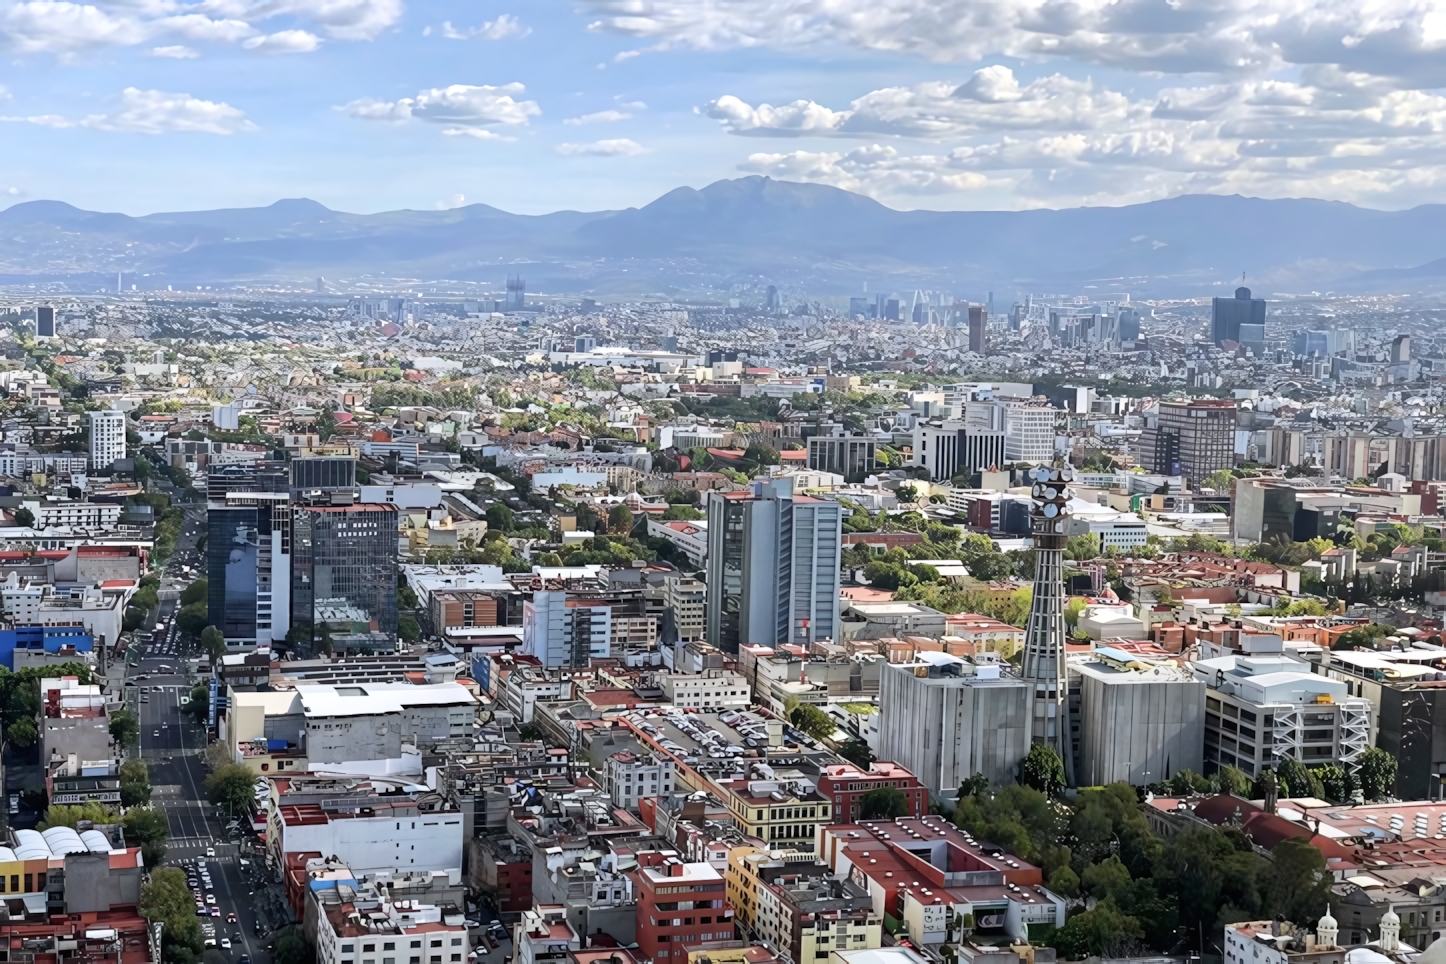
pixel 455 201
pixel 1337 136
pixel 284 42
pixel 1395 38
pixel 992 99
pixel 616 147
pixel 175 52
pixel 476 133
pixel 154 112
pixel 503 27
pixel 599 117
pixel 66 28
pixel 159 112
pixel 463 108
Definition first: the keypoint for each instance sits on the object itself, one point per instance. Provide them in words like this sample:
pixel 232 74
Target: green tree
pixel 1042 770
pixel 857 752
pixel 1064 881
pixel 199 705
pixel 24 518
pixel 135 785
pixel 192 620
pixel 1297 885
pixel 166 899
pixel 499 518
pixel 291 947
pixel 22 733
pixel 1082 547
pixel 975 786
pixel 1377 773
pixel 1293 777
pixel 148 827
pixel 1102 932
pixel 124 728
pixel 231 786
pixel 68 815
pixel 813 721
pixel 907 494
pixel 1108 878
pixel 883 803
pixel 213 642
pixel 408 629
pixel 681 513
pixel 1234 780
pixel 620 519
pixel 195 592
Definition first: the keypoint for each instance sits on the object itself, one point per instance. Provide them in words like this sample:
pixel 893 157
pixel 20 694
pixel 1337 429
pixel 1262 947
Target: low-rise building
pixel 846 784
pixel 631 776
pixel 713 689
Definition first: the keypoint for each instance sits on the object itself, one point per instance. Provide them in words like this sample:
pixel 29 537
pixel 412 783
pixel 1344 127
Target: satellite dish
pixel 1041 474
pixel 1051 510
pixel 1051 493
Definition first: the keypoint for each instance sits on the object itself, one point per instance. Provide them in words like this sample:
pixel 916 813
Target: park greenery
pixel 1141 893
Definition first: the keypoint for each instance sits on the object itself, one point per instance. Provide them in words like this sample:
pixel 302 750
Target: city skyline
pixel 374 105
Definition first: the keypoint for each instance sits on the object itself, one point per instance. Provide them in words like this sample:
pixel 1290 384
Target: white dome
pixel 1389 917
pixel 1327 920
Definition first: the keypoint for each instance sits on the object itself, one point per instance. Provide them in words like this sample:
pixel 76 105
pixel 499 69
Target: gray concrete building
pixel 945 719
pixel 1138 722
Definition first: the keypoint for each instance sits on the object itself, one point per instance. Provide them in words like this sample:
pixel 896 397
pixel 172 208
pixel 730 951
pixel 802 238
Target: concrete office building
pixel 950 446
pixel 560 631
pixel 945 719
pixel 107 438
pixel 842 453
pixel 686 599
pixel 1028 432
pixel 45 322
pixel 1264 707
pixel 773 566
pixel 1139 722
pixel 1192 438
pixel 316 475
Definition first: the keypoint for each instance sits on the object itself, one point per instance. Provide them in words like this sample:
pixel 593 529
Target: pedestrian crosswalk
pixel 182 843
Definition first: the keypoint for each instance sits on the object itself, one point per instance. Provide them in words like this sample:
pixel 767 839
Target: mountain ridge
pixel 747 231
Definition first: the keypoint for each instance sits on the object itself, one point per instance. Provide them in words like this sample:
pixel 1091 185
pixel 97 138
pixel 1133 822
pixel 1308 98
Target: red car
pixel 231 918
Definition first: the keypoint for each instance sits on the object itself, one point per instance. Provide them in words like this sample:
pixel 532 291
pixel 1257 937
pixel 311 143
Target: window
pixel 389 946
pixel 436 943
pixel 456 942
pixel 368 948
pixel 416 943
pixel 348 948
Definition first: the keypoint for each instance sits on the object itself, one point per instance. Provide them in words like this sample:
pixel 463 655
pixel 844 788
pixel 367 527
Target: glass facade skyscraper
pixel 232 545
pixel 344 569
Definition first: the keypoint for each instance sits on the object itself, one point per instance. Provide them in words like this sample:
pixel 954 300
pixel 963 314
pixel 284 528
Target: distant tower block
pixel 45 322
pixel 1044 665
pixel 516 293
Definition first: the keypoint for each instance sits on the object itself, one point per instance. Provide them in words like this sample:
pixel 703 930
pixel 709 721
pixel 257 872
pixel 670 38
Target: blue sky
pixel 369 105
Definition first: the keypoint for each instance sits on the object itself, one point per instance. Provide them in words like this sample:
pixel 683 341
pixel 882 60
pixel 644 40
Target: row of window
pixel 392 945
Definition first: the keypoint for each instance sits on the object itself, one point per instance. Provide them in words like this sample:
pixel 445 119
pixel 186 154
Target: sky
pixel 372 105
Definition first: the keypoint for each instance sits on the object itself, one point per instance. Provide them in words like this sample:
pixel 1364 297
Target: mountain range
pixel 752 231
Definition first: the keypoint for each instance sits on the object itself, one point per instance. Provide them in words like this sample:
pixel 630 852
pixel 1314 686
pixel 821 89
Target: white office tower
pixel 773 566
pixel 107 438
pixel 1044 658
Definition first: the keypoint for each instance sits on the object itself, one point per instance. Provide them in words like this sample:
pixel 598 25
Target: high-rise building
pixel 45 322
pixel 1028 432
pixel 1240 319
pixel 773 566
pixel 1401 350
pixel 232 546
pixel 1191 438
pixel 978 319
pixel 107 438
pixel 248 565
pixel 516 294
pixel 1044 655
pixel 344 569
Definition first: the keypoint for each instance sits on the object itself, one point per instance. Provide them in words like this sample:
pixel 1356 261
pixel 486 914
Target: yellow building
pixel 779 817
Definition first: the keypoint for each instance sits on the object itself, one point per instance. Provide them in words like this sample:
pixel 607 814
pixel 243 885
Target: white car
pixel 156 733
pixel 226 943
pixel 210 898
pixel 210 851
